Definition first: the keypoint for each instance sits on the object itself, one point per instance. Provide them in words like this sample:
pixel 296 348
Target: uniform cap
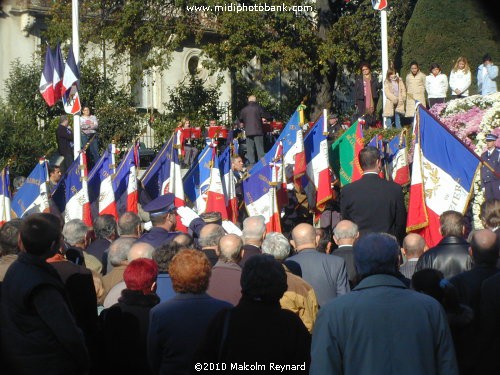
pixel 161 205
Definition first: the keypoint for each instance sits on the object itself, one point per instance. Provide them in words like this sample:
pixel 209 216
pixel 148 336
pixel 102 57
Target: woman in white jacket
pixel 436 85
pixel 460 78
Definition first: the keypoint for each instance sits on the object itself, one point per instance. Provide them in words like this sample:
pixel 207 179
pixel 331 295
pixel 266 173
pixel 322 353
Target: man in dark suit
pixel 490 178
pixel 413 247
pixel 484 250
pixel 488 362
pixel 451 254
pixel 344 235
pixel 374 204
pixel 251 116
pixel 326 273
pixel 254 232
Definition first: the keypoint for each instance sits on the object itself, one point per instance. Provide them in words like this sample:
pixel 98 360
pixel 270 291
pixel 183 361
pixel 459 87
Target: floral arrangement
pixel 471 119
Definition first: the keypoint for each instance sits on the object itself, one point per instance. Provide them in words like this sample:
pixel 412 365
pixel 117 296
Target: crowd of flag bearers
pixel 300 161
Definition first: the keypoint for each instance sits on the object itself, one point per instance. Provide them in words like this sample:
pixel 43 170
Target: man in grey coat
pixel 326 273
pixel 381 327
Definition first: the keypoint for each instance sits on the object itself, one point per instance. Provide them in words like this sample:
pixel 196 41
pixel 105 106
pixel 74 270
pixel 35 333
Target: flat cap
pixel 161 205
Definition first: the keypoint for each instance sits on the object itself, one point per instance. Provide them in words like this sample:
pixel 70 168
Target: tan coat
pixel 394 103
pixel 415 90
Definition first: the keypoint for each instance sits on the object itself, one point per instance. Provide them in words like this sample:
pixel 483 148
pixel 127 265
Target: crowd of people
pixel 358 297
pixel 402 95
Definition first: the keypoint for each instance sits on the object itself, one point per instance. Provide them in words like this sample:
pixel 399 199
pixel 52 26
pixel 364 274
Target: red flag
pixel 46 88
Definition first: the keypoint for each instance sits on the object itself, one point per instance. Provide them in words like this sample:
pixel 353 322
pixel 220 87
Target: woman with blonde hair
pixel 395 91
pixel 460 78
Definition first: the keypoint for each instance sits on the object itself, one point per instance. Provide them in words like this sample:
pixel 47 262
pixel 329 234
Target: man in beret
pixel 490 178
pixel 162 215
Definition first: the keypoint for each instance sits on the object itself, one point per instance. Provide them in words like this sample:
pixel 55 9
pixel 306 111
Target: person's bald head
pixel 484 247
pixel 345 232
pixel 254 230
pixel 303 237
pixel 184 239
pixel 210 235
pixel 140 250
pixel 413 246
pixel 230 248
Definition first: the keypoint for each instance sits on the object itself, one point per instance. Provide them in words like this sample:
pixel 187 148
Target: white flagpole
pixel 76 52
pixel 385 54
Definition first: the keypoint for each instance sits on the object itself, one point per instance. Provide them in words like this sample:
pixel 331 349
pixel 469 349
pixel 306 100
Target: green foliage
pixel 189 99
pixel 26 129
pixel 27 124
pixel 355 37
pixel 441 31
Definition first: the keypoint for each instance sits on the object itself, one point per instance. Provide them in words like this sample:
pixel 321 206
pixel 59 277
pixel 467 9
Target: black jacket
pixel 450 256
pixel 124 329
pixel 64 137
pixel 375 205
pixel 39 334
pixel 359 93
pixel 251 116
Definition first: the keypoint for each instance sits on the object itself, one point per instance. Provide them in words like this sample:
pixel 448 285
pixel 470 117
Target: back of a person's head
pixel 484 245
pixel 40 235
pixel 140 275
pixel 252 98
pixel 210 235
pixel 452 224
pixel 164 254
pixel 376 253
pixel 414 245
pixel 230 248
pixel 190 272
pixel 105 227
pixel 254 228
pixel 9 234
pixel 490 213
pixel 276 245
pixel 140 250
pixel 302 235
pixel 119 249
pixel 368 157
pixel 184 240
pixel 345 231
pixel 324 238
pixel 75 232
pixel 263 279
pixel 128 224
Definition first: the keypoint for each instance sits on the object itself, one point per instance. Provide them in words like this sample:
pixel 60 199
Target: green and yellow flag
pixel 344 155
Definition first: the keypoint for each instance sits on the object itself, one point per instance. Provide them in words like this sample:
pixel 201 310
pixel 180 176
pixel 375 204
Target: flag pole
pixel 385 54
pixel 76 53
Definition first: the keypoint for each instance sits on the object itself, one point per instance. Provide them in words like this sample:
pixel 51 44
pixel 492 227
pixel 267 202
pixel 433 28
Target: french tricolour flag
pixel 260 192
pixel 397 157
pixel 216 200
pixel 197 180
pixel 46 88
pixel 229 184
pixel 57 79
pixel 443 172
pixel 317 181
pixel 71 193
pixel 125 181
pixel 4 196
pixel 292 146
pixel 33 196
pixel 69 87
pixel 100 184
pixel 164 176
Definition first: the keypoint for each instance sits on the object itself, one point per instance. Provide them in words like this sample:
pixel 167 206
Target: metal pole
pixel 76 52
pixel 385 55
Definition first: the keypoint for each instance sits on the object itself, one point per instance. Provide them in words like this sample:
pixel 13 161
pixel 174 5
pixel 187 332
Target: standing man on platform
pixel 489 178
pixel 251 116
